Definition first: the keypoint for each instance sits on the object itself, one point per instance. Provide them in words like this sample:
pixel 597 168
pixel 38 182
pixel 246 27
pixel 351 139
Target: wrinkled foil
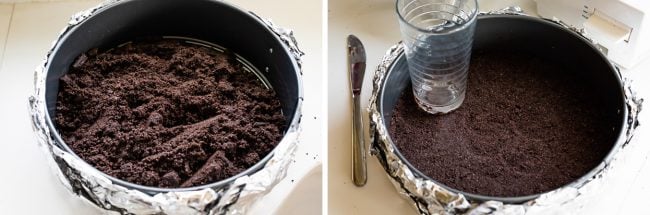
pixel 95 188
pixel 429 197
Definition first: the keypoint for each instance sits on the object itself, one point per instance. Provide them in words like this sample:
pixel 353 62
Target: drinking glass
pixel 437 36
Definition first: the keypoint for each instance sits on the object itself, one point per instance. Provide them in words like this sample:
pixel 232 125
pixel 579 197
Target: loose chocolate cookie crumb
pixel 526 126
pixel 166 113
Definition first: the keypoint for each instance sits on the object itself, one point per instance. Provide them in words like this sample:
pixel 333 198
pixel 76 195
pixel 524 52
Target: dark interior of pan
pixel 537 37
pixel 207 20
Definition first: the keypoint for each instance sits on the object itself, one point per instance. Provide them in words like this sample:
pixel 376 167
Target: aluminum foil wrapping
pixel 87 182
pixel 428 197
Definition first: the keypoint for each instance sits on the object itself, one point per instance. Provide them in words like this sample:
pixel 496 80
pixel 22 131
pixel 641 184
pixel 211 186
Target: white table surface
pixel 375 23
pixel 28 185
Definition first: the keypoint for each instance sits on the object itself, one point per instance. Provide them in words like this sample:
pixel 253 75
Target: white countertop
pixel 375 23
pixel 29 185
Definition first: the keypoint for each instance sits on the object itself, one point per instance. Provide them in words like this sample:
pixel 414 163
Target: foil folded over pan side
pixel 85 181
pixel 428 197
pixel 286 35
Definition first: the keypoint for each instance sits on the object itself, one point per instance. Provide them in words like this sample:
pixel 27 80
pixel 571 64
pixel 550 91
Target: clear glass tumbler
pixel 438 35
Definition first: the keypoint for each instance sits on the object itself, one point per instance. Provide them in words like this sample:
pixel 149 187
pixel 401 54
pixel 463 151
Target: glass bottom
pixel 440 109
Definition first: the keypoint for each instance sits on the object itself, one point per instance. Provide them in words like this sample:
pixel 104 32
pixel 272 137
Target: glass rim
pixel 472 18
